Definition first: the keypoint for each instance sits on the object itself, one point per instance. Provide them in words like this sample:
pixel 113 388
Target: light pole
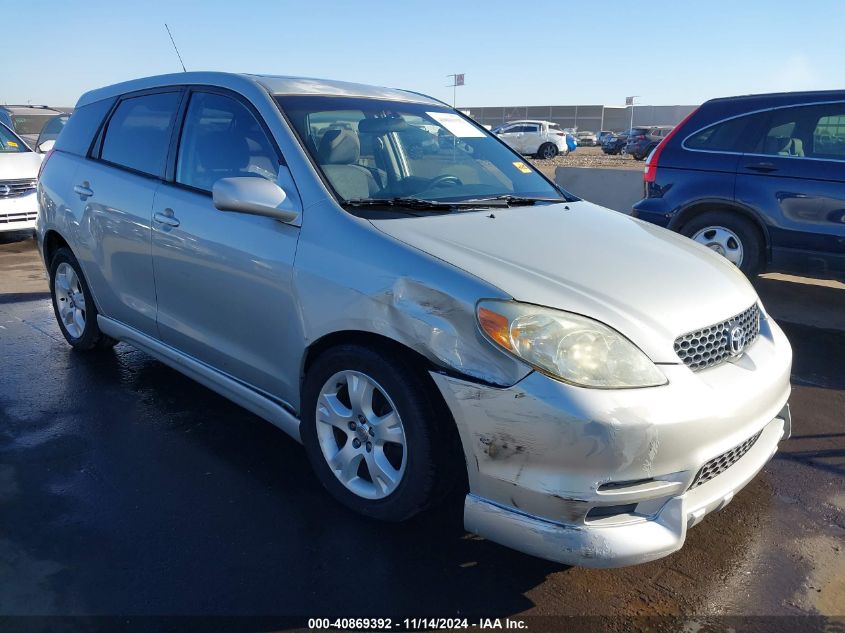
pixel 629 101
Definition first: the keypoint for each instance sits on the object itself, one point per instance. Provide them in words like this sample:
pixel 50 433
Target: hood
pixel 14 165
pixel 648 283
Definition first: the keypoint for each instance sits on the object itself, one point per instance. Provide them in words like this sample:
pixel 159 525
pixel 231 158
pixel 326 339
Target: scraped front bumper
pixel 607 478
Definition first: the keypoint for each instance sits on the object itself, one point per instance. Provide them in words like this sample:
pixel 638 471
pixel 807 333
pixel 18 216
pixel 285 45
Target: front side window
pixel 222 139
pixel 9 142
pixel 374 148
pixel 138 134
pixel 829 132
pixel 813 131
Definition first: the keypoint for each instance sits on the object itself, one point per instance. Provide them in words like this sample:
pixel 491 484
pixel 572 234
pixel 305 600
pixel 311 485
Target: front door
pixel 796 176
pixel 224 279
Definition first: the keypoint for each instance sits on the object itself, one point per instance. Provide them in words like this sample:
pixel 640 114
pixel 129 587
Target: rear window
pixel 79 131
pixel 138 133
pixel 637 131
pixel 30 124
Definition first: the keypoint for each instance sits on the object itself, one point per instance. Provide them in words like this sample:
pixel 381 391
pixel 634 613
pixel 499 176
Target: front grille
pixel 720 464
pixel 11 218
pixel 711 346
pixel 16 188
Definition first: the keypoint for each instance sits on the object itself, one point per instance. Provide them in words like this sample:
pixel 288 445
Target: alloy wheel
pixel 70 300
pixel 723 241
pixel 361 435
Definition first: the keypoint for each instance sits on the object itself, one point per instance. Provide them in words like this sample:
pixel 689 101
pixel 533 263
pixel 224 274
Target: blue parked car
pixel 759 179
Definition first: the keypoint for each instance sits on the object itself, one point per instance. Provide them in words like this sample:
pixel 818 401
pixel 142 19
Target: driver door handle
pixel 166 217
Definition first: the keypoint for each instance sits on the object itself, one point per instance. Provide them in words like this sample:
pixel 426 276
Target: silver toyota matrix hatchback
pixel 390 284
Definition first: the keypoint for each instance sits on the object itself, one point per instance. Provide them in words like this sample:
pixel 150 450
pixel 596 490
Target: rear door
pixel 795 176
pixel 531 138
pixel 224 280
pixel 116 186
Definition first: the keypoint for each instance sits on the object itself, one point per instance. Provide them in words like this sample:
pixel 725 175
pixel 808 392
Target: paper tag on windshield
pixel 458 126
pixel 525 169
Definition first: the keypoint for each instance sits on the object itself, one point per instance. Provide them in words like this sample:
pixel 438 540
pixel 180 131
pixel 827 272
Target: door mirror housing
pixel 255 196
pixel 46 146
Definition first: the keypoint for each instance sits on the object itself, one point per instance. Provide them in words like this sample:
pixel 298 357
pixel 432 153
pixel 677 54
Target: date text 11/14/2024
pixel 414 624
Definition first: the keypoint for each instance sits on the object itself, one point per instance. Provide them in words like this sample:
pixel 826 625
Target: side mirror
pixel 46 146
pixel 253 195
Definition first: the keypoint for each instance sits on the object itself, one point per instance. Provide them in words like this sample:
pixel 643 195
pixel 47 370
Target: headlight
pixel 567 346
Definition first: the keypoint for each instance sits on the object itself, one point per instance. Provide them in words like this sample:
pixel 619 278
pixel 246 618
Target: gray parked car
pixel 418 320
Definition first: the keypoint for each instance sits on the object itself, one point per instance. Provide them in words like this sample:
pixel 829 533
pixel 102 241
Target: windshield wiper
pixel 425 205
pixel 513 201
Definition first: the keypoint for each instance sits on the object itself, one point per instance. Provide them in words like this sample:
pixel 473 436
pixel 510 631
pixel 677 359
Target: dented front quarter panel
pixel 350 277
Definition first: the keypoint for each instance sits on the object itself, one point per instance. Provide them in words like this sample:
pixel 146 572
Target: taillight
pixel 650 170
pixel 44 162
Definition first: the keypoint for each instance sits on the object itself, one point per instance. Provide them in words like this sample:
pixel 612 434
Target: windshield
pixel 378 149
pixel 29 124
pixel 9 143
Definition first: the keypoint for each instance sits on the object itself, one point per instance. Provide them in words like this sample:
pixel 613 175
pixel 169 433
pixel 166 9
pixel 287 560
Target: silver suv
pixel 419 320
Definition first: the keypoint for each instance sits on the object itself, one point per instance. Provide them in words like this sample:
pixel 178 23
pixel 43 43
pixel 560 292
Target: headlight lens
pixel 568 346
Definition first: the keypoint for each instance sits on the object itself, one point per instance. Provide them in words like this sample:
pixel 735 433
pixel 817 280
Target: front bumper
pixel 19 213
pixel 602 478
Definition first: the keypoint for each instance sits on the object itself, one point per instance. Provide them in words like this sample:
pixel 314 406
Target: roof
pixel 30 109
pixel 526 121
pixel 273 84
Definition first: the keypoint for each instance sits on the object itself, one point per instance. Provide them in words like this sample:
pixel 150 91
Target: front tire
pixel 73 304
pixel 374 433
pixel 732 236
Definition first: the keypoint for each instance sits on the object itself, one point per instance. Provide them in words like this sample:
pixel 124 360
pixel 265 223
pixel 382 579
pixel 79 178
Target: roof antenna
pixel 174 47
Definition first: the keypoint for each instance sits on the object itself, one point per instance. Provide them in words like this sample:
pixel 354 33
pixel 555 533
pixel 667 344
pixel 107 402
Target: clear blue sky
pixel 529 53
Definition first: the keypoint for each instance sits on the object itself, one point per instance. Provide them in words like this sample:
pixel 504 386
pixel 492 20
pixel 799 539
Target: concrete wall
pixel 583 117
pixel 616 189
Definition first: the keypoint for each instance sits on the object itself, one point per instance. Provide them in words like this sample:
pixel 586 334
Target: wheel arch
pixel 695 209
pixel 52 242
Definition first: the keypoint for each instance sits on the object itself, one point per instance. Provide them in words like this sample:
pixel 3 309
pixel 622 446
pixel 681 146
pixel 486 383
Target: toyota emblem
pixel 736 340
pixel 5 190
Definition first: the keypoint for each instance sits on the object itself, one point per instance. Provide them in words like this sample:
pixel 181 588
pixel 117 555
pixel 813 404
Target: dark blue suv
pixel 759 179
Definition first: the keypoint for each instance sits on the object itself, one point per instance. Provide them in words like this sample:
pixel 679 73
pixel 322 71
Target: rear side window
pixel 78 134
pixel 533 129
pixel 722 137
pixel 138 133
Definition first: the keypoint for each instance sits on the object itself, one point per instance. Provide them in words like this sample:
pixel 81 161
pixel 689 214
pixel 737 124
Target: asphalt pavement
pixel 128 489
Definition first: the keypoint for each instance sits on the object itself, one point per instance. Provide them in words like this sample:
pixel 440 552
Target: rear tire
pixel 389 472
pixel 731 235
pixel 547 151
pixel 73 304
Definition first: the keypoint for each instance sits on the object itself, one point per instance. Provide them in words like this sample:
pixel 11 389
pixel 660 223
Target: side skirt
pixel 274 411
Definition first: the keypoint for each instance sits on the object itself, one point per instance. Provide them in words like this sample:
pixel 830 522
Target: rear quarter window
pixel 78 133
pixel 727 136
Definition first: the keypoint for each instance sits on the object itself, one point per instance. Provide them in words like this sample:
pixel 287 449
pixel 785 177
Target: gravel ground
pixel 588 157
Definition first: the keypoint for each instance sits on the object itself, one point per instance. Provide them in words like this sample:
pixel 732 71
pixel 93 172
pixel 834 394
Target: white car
pixel 542 139
pixel 19 167
pixel 587 138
